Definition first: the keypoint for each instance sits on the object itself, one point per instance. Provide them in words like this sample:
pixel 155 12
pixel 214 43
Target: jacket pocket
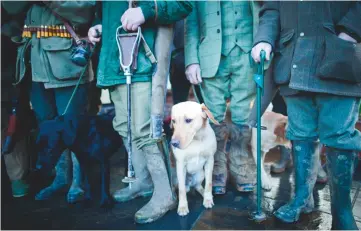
pixel 283 57
pixel 341 61
pixel 57 55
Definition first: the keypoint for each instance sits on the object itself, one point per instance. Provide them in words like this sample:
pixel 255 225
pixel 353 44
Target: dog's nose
pixel 175 143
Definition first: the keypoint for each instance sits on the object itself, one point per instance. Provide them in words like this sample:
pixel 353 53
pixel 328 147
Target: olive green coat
pixel 50 57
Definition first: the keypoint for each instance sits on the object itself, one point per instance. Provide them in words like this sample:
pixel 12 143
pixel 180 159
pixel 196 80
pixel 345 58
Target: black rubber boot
pixel 340 167
pixel 305 161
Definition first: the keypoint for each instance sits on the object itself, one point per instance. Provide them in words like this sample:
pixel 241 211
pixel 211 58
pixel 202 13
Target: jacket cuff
pixel 190 61
pixel 264 40
pixel 148 10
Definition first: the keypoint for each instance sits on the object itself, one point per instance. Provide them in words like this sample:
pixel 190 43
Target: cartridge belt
pixel 46 31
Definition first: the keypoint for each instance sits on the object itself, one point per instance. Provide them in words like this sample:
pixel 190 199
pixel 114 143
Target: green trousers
pixel 234 80
pixel 141 110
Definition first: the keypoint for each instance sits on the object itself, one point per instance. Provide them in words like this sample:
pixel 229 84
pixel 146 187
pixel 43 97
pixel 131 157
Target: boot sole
pixel 152 219
pixel 145 194
pixel 304 210
pixel 245 187
pixel 219 190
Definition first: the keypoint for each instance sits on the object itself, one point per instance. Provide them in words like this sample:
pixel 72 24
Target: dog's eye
pixel 188 121
pixel 173 121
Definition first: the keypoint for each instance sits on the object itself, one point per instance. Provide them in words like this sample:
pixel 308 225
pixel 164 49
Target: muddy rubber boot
pixel 220 173
pixel 340 167
pixel 284 162
pixel 61 180
pixel 143 186
pixel 305 162
pixel 76 193
pixel 162 200
pixel 242 166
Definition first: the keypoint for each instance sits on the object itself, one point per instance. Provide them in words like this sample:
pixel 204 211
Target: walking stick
pixel 259 215
pixel 128 64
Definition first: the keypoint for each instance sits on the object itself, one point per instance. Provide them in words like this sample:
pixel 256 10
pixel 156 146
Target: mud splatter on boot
pixel 340 167
pixel 242 166
pixel 143 186
pixel 220 173
pixel 305 161
pixel 162 200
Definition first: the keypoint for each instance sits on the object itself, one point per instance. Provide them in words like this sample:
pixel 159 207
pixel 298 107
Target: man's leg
pixel 214 92
pixel 153 163
pixel 59 100
pixel 78 106
pixel 338 116
pixel 302 131
pixel 242 89
pixel 17 164
pixel 43 103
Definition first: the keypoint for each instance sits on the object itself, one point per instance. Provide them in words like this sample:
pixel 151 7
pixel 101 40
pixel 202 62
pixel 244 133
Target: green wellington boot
pixel 340 168
pixel 305 161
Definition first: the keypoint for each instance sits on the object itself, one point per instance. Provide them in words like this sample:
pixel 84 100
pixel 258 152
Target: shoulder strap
pixel 68 27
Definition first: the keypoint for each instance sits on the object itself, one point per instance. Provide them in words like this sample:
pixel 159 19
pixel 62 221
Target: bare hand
pixel 132 19
pixel 256 51
pixel 193 73
pixel 347 37
pixel 95 33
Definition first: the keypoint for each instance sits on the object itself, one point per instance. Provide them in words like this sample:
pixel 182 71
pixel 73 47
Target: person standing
pixel 317 65
pixel 218 39
pixel 44 53
pixel 148 161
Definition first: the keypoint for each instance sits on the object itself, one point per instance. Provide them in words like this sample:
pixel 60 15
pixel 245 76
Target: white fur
pixel 195 156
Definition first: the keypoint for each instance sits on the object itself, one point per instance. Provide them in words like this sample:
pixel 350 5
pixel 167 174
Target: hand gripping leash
pixel 259 215
pixel 127 59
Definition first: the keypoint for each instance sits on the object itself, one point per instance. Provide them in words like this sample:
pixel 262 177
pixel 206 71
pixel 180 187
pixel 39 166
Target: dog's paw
pixel 266 185
pixel 183 210
pixel 208 203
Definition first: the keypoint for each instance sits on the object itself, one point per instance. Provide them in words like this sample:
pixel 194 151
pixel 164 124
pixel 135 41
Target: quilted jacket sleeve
pixel 269 23
pixel 165 12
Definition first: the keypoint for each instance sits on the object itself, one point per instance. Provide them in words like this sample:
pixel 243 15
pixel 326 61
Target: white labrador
pixel 194 145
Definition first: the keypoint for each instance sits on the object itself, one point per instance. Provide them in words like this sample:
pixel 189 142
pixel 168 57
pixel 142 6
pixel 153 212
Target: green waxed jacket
pixel 50 57
pixel 155 13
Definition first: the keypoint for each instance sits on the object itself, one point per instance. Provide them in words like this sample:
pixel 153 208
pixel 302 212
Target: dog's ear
pixel 206 113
